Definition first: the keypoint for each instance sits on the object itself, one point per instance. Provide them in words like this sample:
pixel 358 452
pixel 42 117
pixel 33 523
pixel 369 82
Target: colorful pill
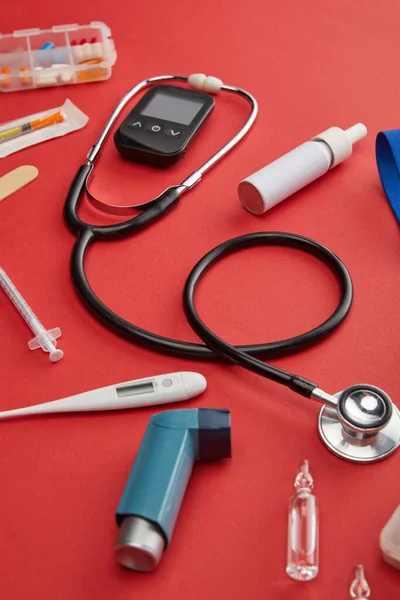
pixel 83 41
pixel 48 46
pixel 6 82
pixel 92 72
pixel 91 61
pixel 25 80
pixel 94 40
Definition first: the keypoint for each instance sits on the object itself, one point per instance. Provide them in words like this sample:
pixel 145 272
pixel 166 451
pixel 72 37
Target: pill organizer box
pixel 64 54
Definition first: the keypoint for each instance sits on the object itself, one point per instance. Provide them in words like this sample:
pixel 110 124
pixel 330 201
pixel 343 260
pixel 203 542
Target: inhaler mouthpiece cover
pixel 299 167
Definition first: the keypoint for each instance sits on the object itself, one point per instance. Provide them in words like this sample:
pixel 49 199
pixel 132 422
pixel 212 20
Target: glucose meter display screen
pixel 172 108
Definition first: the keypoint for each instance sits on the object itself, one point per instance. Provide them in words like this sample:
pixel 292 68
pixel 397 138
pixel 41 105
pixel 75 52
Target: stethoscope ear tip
pixel 364 427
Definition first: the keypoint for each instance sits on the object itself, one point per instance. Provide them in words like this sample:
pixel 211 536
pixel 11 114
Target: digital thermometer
pixel 162 124
pixel 161 389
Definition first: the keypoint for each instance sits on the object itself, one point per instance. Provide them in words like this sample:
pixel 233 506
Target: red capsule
pixel 74 42
pixel 83 41
pixel 94 40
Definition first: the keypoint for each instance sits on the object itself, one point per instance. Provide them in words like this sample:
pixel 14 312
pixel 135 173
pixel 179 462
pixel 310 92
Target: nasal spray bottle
pixel 149 507
pixel 296 169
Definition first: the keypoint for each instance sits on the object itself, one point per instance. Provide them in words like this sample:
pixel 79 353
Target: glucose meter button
pixel 138 124
pixel 154 128
pixel 167 382
pixel 174 133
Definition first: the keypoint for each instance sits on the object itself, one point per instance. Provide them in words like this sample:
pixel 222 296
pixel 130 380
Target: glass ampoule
pixel 302 555
pixel 359 589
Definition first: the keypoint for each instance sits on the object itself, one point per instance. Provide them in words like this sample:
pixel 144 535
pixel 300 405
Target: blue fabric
pixel 387 150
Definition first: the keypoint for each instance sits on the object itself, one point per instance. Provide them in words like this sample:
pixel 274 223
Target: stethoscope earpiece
pixel 363 427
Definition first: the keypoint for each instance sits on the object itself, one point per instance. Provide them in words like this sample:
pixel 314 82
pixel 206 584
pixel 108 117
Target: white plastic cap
pixel 341 141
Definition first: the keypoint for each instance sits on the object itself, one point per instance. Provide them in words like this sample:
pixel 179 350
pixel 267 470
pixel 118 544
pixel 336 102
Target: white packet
pixel 74 119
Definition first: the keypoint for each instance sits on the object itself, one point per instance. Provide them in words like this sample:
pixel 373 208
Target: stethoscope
pixel 360 423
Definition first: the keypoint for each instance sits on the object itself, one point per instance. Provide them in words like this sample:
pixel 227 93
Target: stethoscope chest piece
pixel 364 427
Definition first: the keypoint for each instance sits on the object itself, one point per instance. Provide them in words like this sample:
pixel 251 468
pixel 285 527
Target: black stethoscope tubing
pixel 246 355
pixel 214 348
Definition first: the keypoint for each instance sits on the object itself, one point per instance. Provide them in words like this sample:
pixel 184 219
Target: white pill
pixel 45 77
pixel 86 51
pixel 65 74
pixel 97 50
pixel 77 53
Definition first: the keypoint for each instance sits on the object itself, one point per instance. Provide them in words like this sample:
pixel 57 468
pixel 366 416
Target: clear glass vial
pixel 359 589
pixel 302 552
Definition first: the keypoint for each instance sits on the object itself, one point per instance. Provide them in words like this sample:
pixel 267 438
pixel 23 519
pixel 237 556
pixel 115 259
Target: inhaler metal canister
pixel 299 167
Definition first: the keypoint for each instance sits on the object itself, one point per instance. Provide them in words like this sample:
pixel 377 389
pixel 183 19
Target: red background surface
pixel 311 65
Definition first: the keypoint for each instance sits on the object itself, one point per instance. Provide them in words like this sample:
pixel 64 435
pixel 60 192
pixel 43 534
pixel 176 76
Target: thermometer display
pixel 123 391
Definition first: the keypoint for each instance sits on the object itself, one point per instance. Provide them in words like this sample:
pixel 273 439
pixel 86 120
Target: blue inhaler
pixel 150 504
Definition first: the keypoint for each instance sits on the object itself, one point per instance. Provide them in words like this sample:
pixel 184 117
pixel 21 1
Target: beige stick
pixel 16 179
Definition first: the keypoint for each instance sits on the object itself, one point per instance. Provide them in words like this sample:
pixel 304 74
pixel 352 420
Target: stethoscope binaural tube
pixel 79 183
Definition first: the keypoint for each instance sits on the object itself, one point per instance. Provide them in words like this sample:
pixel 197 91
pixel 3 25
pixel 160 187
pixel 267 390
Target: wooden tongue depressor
pixel 16 179
pixel 390 540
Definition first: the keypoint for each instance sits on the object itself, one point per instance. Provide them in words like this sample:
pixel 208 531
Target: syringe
pixel 46 340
